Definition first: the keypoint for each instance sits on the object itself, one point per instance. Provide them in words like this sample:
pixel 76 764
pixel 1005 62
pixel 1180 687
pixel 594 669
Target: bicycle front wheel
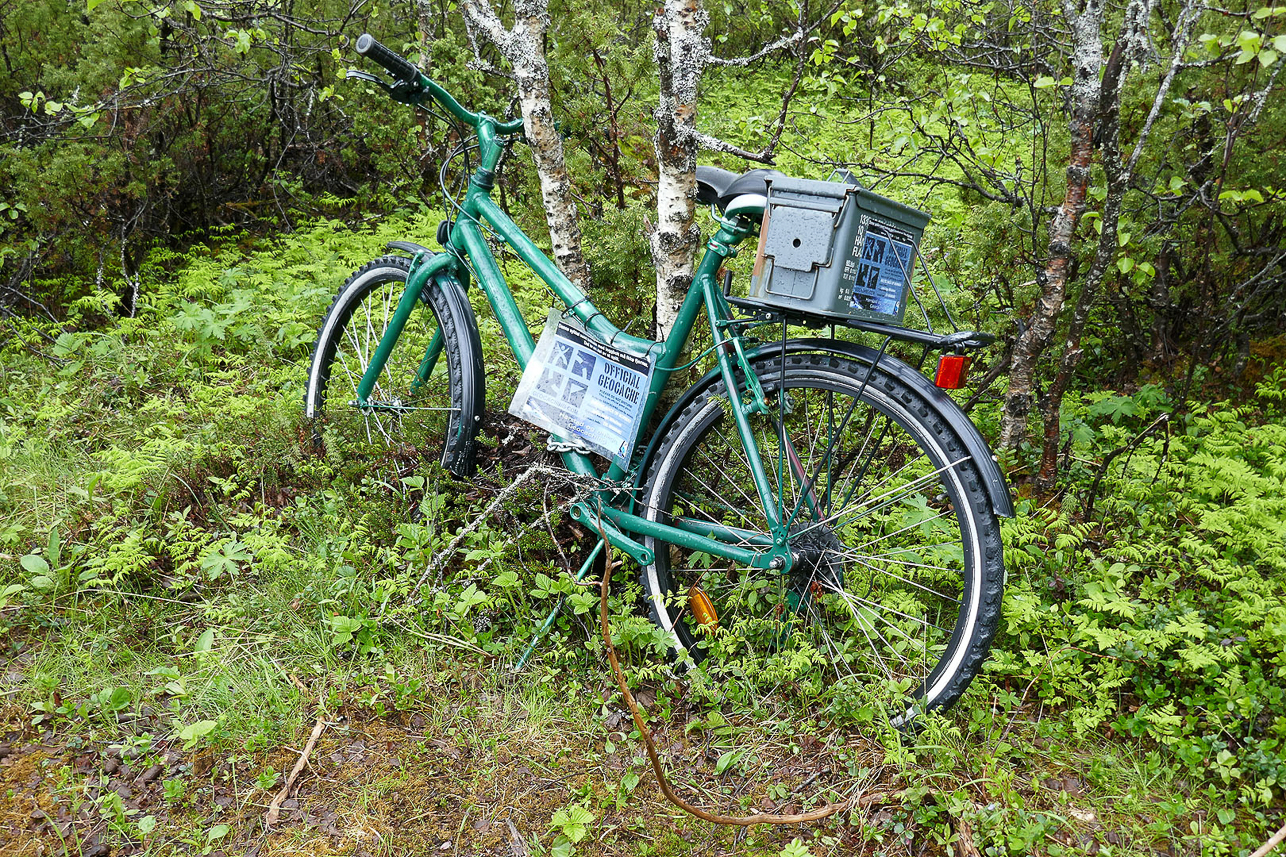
pixel 427 400
pixel 897 573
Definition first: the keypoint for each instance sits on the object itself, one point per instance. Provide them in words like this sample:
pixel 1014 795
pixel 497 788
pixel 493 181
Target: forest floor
pixel 187 585
pixel 469 758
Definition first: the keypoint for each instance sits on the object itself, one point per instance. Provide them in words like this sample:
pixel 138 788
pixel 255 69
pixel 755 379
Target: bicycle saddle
pixel 719 187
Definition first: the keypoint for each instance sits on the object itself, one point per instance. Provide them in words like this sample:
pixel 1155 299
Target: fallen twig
pixel 1163 420
pixel 442 558
pixel 1277 839
pixel 965 846
pixel 744 820
pixel 274 809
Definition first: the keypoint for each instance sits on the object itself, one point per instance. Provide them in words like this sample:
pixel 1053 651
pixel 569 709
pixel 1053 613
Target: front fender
pixel 992 478
pixel 459 450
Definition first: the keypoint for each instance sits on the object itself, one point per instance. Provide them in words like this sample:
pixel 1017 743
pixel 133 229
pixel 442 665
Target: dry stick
pixel 1278 838
pixel 505 493
pixel 965 846
pixel 1164 419
pixel 743 821
pixel 274 809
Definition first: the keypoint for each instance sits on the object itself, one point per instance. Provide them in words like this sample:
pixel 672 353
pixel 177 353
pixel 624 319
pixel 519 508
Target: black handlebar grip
pixel 401 68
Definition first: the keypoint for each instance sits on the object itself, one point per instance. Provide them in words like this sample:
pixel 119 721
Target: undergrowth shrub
pixel 1163 618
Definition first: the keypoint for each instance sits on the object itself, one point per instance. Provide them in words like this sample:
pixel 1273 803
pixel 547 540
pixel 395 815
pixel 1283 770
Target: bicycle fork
pixel 422 271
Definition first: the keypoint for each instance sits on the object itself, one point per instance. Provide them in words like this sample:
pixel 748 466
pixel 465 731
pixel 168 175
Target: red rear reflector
pixel 953 371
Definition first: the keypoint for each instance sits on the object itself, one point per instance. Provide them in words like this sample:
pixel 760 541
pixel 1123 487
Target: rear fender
pixel 992 478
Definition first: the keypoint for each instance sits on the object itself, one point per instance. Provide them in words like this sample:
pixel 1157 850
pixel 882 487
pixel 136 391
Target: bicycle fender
pixel 411 248
pixel 992 478
pixel 459 454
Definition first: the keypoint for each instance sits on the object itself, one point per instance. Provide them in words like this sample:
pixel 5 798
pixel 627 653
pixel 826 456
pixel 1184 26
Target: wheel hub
pixel 817 560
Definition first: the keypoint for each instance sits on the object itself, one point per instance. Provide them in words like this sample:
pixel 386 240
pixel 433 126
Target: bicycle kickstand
pixel 558 608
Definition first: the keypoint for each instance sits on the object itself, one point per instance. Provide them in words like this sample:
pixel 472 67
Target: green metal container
pixel 836 252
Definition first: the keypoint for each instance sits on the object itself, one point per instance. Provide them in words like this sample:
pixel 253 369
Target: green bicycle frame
pixel 468 250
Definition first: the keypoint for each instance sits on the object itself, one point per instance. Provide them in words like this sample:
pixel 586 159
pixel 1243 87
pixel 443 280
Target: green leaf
pixel 796 848
pixel 1267 57
pixel 225 560
pixel 205 642
pixel 345 628
pixel 119 699
pixel 725 762
pixel 217 832
pixel 1125 264
pixel 573 823
pixel 506 579
pixel 1044 82
pixel 1115 407
pixel 35 564
pixel 91 5
pixel 146 824
pixel 194 732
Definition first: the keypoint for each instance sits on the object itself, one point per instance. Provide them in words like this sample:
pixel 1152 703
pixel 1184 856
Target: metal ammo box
pixel 835 250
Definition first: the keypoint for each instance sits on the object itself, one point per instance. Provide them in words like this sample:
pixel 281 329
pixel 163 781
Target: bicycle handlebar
pixel 401 68
pixel 407 76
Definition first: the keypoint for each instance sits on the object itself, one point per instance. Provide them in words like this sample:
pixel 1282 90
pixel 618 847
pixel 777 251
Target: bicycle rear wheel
pixel 428 399
pixel 898 573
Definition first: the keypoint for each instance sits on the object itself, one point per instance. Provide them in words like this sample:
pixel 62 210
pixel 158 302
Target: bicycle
pixel 837 507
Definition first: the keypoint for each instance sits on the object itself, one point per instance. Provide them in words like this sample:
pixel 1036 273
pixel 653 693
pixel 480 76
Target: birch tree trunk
pixel 1131 48
pixel 524 48
pixel 1087 59
pixel 681 56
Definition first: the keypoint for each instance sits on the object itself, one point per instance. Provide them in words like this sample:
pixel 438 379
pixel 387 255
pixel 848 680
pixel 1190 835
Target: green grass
pixel 178 561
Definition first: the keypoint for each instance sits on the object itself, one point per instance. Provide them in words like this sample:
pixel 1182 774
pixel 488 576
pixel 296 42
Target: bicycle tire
pixel 927 599
pixel 437 417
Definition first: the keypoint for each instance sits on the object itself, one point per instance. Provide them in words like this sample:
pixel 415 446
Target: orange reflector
pixel 953 371
pixel 702 608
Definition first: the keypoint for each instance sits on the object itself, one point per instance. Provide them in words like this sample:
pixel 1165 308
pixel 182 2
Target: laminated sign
pixel 883 268
pixel 578 388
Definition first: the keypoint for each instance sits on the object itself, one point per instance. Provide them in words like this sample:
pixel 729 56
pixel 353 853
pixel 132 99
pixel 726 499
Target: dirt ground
pixel 371 786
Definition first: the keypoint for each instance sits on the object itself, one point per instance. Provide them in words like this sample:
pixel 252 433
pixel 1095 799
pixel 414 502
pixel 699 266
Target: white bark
pixel 1086 61
pixel 682 53
pixel 523 46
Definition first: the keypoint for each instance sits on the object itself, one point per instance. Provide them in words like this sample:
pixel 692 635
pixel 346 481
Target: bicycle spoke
pixel 401 410
pixel 867 510
pixel 905 580
pixel 878 579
